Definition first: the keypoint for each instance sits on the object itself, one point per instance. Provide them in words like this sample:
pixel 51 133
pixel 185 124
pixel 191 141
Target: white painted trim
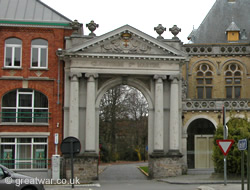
pixel 25 134
pixel 185 127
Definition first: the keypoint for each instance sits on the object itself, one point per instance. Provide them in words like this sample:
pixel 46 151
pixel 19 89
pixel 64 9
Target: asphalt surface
pixel 129 177
pixel 120 172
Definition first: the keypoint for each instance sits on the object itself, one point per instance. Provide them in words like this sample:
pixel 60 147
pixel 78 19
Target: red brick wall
pixel 55 38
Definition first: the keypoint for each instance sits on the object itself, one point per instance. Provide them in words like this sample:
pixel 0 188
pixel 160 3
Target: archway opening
pixel 123 125
pixel 200 144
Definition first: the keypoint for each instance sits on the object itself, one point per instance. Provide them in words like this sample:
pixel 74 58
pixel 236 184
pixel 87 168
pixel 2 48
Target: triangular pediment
pixel 126 41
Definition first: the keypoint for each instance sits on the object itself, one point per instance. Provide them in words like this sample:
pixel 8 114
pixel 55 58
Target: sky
pixel 141 14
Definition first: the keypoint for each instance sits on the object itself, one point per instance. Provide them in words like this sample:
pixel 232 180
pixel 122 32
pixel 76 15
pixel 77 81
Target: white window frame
pixel 13 49
pixel 16 144
pixel 39 47
pixel 32 108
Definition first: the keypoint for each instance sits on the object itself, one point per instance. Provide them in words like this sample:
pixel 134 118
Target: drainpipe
pixel 187 76
pixel 59 53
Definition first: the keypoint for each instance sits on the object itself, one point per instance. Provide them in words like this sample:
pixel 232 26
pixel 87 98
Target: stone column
pixel 158 116
pixel 74 105
pixel 90 139
pixel 174 118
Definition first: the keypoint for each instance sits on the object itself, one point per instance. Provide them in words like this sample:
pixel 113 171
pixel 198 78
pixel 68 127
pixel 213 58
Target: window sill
pixel 29 170
pixel 24 124
pixel 40 69
pixel 12 68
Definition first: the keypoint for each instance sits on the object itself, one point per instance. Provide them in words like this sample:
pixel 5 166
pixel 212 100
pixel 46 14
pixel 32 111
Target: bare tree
pixel 123 106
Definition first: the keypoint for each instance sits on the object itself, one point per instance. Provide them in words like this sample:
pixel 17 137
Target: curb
pixel 197 182
pixel 145 173
pixel 205 188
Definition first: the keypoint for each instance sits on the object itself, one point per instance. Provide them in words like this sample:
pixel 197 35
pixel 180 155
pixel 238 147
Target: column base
pixel 157 154
pixel 163 166
pixel 85 167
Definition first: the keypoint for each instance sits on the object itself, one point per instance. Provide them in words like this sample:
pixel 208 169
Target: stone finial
pixel 92 27
pixel 175 31
pixel 75 26
pixel 243 34
pixel 160 29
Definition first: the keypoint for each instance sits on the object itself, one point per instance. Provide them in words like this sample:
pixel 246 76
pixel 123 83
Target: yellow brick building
pixel 217 75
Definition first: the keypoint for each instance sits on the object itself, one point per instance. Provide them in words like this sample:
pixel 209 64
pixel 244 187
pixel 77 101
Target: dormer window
pixel 233 32
pixel 233 36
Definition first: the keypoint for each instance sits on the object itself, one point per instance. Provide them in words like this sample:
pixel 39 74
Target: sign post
pixel 242 170
pixel 225 133
pixel 242 145
pixel 225 146
pixel 71 146
pixel 248 166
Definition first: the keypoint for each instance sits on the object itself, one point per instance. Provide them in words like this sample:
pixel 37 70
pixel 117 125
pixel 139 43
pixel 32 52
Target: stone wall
pixel 162 167
pixel 85 168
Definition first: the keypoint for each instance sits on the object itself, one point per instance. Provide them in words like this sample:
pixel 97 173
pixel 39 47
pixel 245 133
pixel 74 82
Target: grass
pixel 144 169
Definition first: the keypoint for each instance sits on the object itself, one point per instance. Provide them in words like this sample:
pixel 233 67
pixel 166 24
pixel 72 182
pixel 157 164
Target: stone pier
pixel 85 167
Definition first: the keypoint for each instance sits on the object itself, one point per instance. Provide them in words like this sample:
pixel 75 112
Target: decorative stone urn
pixel 175 31
pixel 92 26
pixel 160 29
pixel 75 26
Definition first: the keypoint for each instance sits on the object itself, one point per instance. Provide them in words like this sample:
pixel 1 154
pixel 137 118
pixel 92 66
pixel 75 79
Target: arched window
pixel 25 106
pixel 204 81
pixel 39 53
pixel 233 76
pixel 13 52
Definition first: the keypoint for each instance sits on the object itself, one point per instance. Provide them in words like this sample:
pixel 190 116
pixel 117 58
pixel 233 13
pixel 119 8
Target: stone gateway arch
pixel 124 56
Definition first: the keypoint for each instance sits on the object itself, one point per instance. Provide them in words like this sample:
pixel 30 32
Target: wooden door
pixel 203 151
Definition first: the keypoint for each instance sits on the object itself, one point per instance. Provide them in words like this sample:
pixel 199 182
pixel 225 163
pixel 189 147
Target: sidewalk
pixel 205 182
pixel 78 187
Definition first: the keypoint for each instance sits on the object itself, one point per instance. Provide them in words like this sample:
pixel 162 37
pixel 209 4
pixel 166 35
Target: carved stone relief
pixel 126 44
pixel 184 88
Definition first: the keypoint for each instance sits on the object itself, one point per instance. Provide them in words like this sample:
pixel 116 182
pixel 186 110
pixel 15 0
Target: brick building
pixel 31 83
pixel 216 75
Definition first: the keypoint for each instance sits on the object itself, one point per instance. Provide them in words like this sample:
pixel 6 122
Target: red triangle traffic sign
pixel 225 145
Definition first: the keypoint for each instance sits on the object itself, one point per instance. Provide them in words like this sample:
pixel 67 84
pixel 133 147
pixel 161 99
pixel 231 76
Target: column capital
pixel 163 77
pixel 89 75
pixel 174 78
pixel 73 75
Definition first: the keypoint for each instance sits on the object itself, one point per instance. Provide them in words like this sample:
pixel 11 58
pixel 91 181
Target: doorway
pixel 200 144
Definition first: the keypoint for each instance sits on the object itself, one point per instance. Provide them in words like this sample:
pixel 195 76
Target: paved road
pixel 129 177
pixel 122 172
pixel 129 185
pixel 145 185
